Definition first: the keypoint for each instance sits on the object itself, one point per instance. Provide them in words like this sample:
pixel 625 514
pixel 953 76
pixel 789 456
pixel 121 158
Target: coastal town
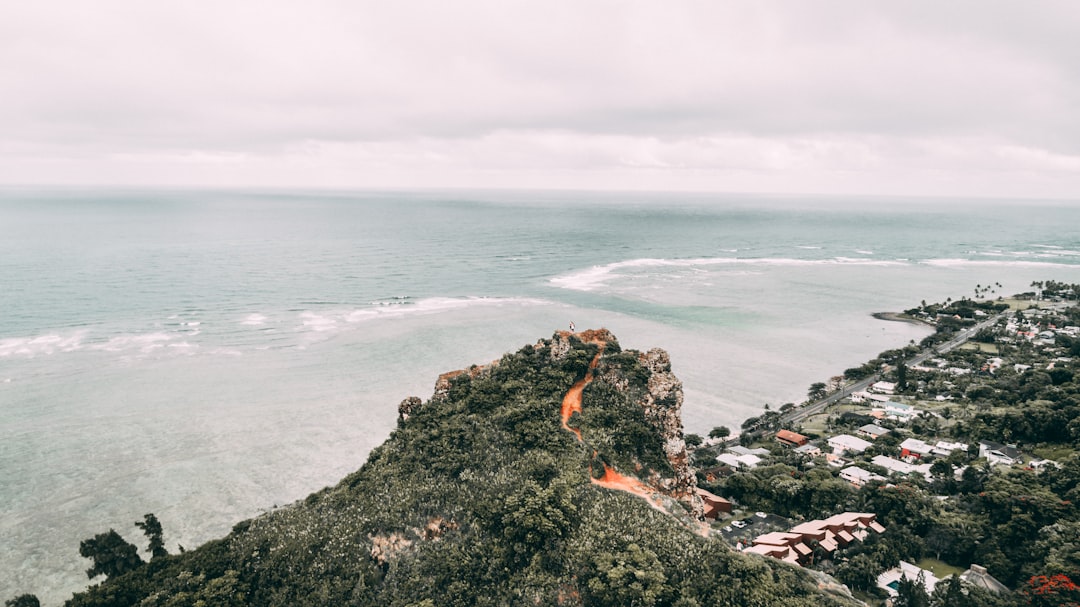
pixel 940 473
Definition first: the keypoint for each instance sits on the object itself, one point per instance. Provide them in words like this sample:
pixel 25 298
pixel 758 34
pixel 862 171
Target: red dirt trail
pixel 611 479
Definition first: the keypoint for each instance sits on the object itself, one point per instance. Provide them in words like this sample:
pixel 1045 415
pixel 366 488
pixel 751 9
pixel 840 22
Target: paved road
pixel 818 406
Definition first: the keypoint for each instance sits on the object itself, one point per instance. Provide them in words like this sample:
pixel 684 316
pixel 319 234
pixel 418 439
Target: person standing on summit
pixel 572 327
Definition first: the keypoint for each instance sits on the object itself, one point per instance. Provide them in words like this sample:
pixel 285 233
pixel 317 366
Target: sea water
pixel 209 355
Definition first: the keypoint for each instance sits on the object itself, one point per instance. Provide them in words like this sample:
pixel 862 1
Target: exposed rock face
pixel 663 409
pixel 561 341
pixel 442 385
pixel 408 407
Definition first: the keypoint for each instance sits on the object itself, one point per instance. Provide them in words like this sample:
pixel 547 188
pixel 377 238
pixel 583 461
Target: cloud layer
pixel 970 98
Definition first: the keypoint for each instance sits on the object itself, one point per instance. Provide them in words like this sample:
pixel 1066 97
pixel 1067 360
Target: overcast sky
pixel 977 98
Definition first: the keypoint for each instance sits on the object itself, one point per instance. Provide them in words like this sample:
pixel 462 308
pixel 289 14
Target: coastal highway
pixel 961 337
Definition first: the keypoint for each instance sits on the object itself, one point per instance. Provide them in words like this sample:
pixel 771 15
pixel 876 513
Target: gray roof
pixel 874 429
pixel 977 576
pixel 1006 450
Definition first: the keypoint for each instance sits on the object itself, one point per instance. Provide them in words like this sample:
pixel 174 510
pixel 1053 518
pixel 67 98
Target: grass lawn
pixel 815 424
pixel 1018 304
pixel 940 569
pixel 984 348
pixel 1058 453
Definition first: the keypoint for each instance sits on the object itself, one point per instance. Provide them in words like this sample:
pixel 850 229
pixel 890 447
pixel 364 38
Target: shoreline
pixel 900 317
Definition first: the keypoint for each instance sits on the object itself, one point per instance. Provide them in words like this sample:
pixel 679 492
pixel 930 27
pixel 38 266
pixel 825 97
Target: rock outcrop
pixel 663 410
pixel 408 408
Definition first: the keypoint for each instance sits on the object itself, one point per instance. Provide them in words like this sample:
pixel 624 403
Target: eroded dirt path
pixel 571 402
pixel 611 479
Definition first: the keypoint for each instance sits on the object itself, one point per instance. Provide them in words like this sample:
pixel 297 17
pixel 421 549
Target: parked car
pixel 739 524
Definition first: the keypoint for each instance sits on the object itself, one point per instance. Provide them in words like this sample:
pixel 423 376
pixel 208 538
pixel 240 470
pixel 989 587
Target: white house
pixel 996 453
pixel 842 443
pixel 859 477
pixel 738 461
pixel 944 448
pixel 862 396
pixel 898 411
pixel 913 447
pixel 759 451
pixel 899 467
pixel 883 387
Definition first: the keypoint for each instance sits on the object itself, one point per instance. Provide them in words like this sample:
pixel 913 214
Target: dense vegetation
pixel 478 498
pixel 1018 384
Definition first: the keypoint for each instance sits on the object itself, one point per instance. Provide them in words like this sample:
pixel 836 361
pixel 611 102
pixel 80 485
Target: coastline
pixel 901 317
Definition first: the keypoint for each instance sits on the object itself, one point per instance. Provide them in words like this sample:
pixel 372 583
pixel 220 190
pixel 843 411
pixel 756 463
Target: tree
pixel 912 593
pixel 24 600
pixel 817 391
pixel 1051 591
pixel 151 527
pixel 634 576
pixel 112 555
pixel 693 440
pixel 860 572
pixel 950 593
pixel 720 432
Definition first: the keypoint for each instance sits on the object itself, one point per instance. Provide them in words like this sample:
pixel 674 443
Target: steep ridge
pixel 482 497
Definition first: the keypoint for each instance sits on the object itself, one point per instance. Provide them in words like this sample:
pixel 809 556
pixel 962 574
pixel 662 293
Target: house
pixel 845 443
pixel 794 545
pixel 899 467
pixel 883 387
pixel 739 461
pixel 873 431
pixel 944 448
pixel 791 439
pixel 862 396
pixel 898 411
pixel 859 477
pixel 783 553
pixel 977 576
pixel 714 504
pixel 913 447
pixel 809 450
pixel 890 580
pixel 1039 464
pixel 996 453
pixel 758 451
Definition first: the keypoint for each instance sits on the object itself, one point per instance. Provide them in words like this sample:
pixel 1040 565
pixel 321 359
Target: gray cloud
pixel 481 92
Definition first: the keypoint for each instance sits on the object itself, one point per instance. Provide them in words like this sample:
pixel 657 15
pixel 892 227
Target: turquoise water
pixel 207 355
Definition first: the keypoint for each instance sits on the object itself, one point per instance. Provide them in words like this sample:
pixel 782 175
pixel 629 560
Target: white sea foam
pixel 958 262
pixel 146 342
pixel 434 305
pixel 317 322
pixel 594 277
pixel 41 345
pixel 254 320
pixel 862 252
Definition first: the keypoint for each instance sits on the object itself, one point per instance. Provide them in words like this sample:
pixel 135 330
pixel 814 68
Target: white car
pixel 739 524
pixel 760 514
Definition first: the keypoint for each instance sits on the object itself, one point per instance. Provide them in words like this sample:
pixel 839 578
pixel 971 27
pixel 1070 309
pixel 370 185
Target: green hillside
pixel 482 497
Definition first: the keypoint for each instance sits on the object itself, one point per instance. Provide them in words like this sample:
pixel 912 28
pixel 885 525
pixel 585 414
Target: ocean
pixel 210 355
